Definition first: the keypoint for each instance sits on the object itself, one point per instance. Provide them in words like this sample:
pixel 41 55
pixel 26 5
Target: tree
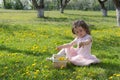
pixel 103 8
pixel 117 5
pixel 63 4
pixel 39 6
pixel 7 4
pixel 4 2
pixel 17 4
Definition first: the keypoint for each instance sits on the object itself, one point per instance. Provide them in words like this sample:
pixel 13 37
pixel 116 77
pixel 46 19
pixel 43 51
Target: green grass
pixel 26 41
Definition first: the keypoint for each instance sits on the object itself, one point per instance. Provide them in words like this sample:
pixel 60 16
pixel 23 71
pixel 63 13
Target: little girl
pixel 80 56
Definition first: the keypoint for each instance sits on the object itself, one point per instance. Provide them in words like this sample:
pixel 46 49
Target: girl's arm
pixel 67 45
pixel 86 42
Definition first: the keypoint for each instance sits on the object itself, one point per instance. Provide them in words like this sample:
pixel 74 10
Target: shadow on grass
pixel 71 14
pixel 11 50
pixel 110 67
pixel 54 19
pixel 66 19
pixel 11 28
pixel 67 37
pixel 106 43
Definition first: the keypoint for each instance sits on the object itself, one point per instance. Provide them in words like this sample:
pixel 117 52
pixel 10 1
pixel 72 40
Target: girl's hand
pixel 81 44
pixel 59 47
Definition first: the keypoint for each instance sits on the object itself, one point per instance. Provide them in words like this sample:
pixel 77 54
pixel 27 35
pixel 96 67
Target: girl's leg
pixel 61 52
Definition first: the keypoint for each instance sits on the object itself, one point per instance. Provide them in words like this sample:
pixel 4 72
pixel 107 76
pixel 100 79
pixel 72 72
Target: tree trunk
pixel 4 2
pixel 40 7
pixel 61 10
pixel 40 13
pixel 104 12
pixel 63 4
pixel 118 17
pixel 117 5
pixel 103 8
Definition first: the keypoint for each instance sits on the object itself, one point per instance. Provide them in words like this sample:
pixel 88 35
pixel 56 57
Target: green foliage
pixel 7 4
pixel 26 41
pixel 79 5
pixel 55 4
pixel 18 5
pixel 13 4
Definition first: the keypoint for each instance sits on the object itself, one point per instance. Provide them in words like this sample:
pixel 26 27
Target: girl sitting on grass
pixel 81 55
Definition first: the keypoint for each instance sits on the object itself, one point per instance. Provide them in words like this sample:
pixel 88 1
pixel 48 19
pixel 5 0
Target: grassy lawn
pixel 26 41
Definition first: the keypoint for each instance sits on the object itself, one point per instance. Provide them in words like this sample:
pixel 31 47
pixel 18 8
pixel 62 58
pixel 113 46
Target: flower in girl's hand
pixel 81 44
pixel 61 58
pixel 56 48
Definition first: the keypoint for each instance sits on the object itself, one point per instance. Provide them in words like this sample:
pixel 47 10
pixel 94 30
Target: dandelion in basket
pixel 61 58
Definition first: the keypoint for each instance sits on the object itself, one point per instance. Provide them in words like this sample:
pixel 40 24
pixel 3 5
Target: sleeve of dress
pixel 87 40
pixel 74 42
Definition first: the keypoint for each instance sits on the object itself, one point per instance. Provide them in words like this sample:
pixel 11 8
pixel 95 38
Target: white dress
pixel 81 56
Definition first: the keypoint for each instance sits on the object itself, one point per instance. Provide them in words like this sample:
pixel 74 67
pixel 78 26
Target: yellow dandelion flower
pixel 62 66
pixel 74 72
pixel 6 67
pixel 37 71
pixel 61 58
pixel 44 50
pixel 35 60
pixel 46 76
pixel 34 64
pixel 78 77
pixel 118 75
pixel 27 73
pixel 46 66
pixel 110 77
pixel 34 76
pixel 114 74
pixel 36 47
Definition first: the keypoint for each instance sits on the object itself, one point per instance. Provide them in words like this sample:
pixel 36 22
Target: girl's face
pixel 80 32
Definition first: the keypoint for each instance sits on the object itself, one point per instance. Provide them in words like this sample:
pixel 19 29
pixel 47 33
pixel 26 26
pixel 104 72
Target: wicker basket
pixel 59 61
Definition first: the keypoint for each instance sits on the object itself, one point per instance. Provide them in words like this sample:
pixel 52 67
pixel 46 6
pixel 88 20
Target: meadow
pixel 26 41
